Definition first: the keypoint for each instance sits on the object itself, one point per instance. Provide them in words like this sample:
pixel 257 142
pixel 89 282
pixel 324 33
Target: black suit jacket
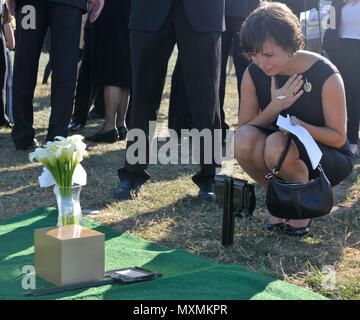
pixel 203 15
pixel 82 4
pixel 240 8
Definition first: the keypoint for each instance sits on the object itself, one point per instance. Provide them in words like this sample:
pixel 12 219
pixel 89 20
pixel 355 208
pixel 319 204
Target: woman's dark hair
pixel 271 21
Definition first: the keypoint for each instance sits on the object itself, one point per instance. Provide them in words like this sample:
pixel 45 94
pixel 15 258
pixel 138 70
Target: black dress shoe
pixel 6 124
pixel 108 136
pixel 73 126
pixel 122 132
pixel 292 231
pixel 274 226
pixel 33 144
pixel 128 190
pixel 206 192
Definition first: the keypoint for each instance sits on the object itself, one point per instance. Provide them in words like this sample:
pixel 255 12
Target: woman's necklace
pixel 307 84
pixel 281 97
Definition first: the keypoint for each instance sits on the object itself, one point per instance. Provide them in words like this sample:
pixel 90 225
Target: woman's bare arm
pixel 334 109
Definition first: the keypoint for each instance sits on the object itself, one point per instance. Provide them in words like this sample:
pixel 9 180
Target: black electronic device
pixel 237 198
pixel 132 274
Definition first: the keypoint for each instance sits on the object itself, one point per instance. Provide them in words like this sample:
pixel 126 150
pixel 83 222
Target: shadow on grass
pixel 41 103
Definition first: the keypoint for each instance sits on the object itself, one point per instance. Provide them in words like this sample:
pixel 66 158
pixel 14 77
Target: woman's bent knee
pixel 246 137
pixel 274 146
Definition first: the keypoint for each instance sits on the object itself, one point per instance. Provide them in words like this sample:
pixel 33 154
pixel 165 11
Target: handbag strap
pixel 283 155
pixel 276 169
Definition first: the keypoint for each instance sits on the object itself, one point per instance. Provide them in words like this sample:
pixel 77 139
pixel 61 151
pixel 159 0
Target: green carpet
pixel 185 276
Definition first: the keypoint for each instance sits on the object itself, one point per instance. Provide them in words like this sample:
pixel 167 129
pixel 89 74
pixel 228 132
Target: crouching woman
pixel 283 79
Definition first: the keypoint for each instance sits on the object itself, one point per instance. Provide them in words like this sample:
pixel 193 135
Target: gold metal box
pixel 69 255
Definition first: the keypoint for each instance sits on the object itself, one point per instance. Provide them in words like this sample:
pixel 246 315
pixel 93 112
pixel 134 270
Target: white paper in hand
pixel 304 136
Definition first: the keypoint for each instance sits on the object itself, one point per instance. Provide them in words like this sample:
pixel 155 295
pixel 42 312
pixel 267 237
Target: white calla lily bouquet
pixel 61 157
pixel 61 160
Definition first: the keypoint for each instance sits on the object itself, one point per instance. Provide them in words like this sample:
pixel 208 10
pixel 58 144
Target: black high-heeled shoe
pixel 108 136
pixel 122 132
pixel 292 231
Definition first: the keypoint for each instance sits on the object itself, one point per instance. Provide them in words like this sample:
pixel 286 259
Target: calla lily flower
pixel 61 157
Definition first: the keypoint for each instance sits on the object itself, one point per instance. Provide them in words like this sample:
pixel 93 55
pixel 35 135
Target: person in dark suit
pixel 179 115
pixel 155 27
pixel 87 92
pixel 33 17
pixel 235 13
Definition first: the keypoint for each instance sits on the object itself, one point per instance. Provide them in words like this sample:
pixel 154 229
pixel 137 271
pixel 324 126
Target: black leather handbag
pixel 297 200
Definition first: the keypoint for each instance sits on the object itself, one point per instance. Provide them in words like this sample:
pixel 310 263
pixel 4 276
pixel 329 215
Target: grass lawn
pixel 168 213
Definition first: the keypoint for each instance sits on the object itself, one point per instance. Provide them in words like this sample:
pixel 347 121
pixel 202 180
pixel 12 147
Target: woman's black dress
pixel 111 46
pixel 336 162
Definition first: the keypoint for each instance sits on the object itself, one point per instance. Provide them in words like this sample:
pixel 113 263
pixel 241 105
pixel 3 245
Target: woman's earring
pixel 290 54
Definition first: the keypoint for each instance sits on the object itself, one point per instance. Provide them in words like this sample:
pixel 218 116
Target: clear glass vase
pixel 68 201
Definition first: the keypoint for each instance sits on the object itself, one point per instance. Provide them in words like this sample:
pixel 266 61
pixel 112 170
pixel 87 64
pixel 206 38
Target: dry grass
pixel 168 212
